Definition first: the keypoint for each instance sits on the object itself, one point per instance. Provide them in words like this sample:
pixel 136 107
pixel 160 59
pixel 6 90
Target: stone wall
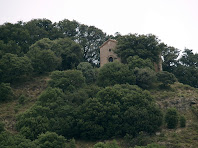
pixel 107 52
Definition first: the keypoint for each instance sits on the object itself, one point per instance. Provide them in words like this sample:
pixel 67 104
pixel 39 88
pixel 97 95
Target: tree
pixel 66 51
pixel 70 52
pixel 68 80
pixel 171 118
pixel 106 145
pixel 16 35
pixel 118 110
pixel 6 92
pixel 88 71
pixel 115 73
pixel 90 38
pixel 145 77
pixel 138 62
pixel 170 55
pixel 189 58
pixel 144 46
pixel 43 60
pixel 68 28
pixel 50 140
pixel 166 78
pixel 39 29
pixel 13 68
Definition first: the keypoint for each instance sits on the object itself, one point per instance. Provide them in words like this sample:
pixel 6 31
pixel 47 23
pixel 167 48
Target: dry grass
pixel 31 89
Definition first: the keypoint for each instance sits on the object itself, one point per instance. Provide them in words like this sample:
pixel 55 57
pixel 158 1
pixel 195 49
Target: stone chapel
pixel 107 54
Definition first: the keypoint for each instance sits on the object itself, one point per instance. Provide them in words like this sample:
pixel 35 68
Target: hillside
pixel 182 97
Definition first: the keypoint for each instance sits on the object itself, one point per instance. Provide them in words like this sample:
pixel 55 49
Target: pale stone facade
pixel 107 52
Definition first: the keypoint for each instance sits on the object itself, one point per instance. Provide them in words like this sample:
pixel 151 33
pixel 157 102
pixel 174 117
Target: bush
pixel 1 127
pixel 68 80
pixel 13 68
pixel 145 77
pixel 43 60
pixel 6 92
pixel 107 145
pixel 22 99
pixel 152 145
pixel 115 73
pixel 88 72
pixel 118 110
pixel 166 78
pixel 50 140
pixel 182 121
pixel 171 118
pixel 138 62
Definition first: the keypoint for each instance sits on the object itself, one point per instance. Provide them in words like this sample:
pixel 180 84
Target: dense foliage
pixel 6 93
pixel 114 111
pixel 67 80
pixel 166 78
pixel 172 118
pixel 144 46
pixel 13 68
pixel 82 101
pixel 115 73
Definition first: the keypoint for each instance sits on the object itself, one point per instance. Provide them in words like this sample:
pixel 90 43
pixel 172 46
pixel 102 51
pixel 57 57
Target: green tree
pixel 107 145
pixel 171 118
pixel 145 77
pixel 90 38
pixel 144 46
pixel 71 53
pixel 170 55
pixel 50 140
pixel 13 68
pixel 189 58
pixel 115 73
pixel 138 62
pixel 152 145
pixel 68 28
pixel 6 92
pixel 118 110
pixel 39 29
pixel 67 80
pixel 44 60
pixel 88 71
pixel 166 78
pixel 15 35
pixel 65 50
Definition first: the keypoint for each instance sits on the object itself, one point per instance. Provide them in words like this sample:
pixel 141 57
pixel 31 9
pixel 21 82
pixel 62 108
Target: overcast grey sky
pixel 175 22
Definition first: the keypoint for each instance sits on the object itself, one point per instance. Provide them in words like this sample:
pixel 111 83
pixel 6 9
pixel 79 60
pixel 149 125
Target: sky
pixel 174 22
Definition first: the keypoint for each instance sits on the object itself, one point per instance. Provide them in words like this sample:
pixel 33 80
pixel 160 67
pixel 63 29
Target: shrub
pixel 166 78
pixel 115 73
pixel 171 118
pixel 118 110
pixel 138 62
pixel 88 72
pixel 13 68
pixel 152 145
pixel 107 145
pixel 1 127
pixel 145 77
pixel 182 121
pixel 22 99
pixel 50 140
pixel 68 80
pixel 6 92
